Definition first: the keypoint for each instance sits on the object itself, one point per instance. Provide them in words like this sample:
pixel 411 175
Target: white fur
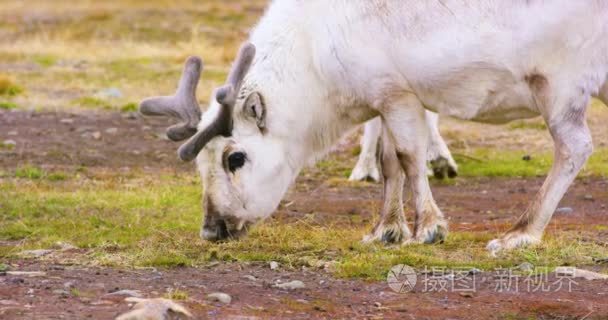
pixel 324 66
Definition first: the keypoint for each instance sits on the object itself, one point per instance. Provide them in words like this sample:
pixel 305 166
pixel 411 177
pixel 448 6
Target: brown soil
pixel 49 140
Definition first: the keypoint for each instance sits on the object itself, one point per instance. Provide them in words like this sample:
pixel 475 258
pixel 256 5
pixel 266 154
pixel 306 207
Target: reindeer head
pixel 244 169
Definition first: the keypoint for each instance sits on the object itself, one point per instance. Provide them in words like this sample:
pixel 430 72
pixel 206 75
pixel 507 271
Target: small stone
pixel 377 304
pixel 564 210
pixel 274 265
pixel 111 130
pixel 121 295
pixel 96 135
pixel 61 292
pixel 474 271
pixel 146 128
pixel 526 267
pixel 35 253
pixel 158 308
pixel 250 277
pixel 12 133
pixel 220 296
pixel 527 157
pixel 588 197
pixel 69 284
pixel 467 294
pixel 292 285
pixel 9 303
pixel 67 121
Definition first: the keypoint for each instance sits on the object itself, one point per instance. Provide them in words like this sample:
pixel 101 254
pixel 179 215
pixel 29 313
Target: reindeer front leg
pixel 405 121
pixel 573 147
pixel 392 226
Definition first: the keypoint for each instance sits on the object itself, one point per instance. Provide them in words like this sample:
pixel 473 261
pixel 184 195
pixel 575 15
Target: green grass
pixel 45 60
pixel 92 103
pixel 497 163
pixel 8 87
pixel 29 172
pixel 140 221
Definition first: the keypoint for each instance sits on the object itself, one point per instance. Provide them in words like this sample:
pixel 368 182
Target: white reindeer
pixel 324 66
pixel 438 155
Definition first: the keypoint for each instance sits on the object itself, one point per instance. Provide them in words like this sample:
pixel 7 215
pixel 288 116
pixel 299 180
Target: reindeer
pixel 312 70
pixel 438 155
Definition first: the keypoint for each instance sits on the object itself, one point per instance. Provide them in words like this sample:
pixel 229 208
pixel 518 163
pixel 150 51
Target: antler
pixel 226 96
pixel 183 105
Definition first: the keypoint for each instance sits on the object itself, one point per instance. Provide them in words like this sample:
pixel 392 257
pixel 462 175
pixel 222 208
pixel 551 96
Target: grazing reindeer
pixel 438 154
pixel 324 66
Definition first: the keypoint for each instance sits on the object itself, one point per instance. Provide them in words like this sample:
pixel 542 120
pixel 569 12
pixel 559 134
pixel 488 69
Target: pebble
pixel 69 284
pixel 377 304
pixel 564 210
pixel 250 277
pixel 274 265
pixel 526 267
pixel 474 271
pixel 12 133
pixel 220 296
pixel 61 292
pixel 67 121
pixel 527 157
pixel 111 130
pixel 467 294
pixel 121 294
pixel 292 285
pixel 96 135
pixel 588 197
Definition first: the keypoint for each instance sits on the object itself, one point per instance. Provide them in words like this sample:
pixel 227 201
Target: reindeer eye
pixel 236 161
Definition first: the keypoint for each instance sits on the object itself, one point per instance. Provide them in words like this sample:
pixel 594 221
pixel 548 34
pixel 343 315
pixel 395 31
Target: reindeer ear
pixel 254 107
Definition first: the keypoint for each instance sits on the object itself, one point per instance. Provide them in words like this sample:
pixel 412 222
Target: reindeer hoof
pixel 436 232
pixel 365 171
pixel 398 233
pixel 510 241
pixel 442 168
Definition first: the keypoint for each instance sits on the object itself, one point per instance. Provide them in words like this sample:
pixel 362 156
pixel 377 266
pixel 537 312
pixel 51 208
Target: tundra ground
pixel 79 167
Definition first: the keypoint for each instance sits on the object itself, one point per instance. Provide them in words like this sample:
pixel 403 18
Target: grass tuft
pixel 29 172
pixel 8 87
pixel 8 105
pixel 129 107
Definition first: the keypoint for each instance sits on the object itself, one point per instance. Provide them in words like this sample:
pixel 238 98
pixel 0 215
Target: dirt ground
pixel 126 141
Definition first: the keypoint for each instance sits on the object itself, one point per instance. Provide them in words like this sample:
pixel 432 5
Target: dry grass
pixel 62 51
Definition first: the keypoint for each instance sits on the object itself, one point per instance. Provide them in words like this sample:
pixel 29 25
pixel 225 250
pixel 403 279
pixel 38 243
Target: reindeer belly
pixel 480 93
